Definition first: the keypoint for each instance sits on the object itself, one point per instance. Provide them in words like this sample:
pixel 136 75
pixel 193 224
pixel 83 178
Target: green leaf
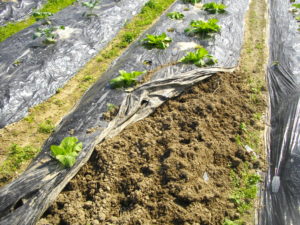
pixel 175 15
pixel 213 7
pixel 67 151
pixel 157 41
pixel 57 150
pixel 199 58
pixel 203 27
pixel 125 79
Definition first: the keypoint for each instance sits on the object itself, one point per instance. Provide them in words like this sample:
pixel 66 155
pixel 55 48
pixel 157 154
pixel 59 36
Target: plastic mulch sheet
pixel 31 72
pixel 12 11
pixel 24 200
pixel 281 197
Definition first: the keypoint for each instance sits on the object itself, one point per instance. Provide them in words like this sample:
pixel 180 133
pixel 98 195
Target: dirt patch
pixel 170 168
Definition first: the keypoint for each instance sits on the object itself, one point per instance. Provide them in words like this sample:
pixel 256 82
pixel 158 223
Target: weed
pixel 128 37
pixel 245 189
pixel 87 78
pixel 50 37
pixel 203 28
pixel 67 152
pixel 243 127
pixel 157 41
pixel 58 102
pixel 46 127
pixel 125 79
pixel 29 118
pixel 199 58
pixel 171 30
pixel 58 90
pixel 257 116
pixel 175 15
pixel 91 6
pixel 16 157
pixel 213 7
pixel 192 1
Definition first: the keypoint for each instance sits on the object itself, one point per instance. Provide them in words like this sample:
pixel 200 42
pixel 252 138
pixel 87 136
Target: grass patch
pixel 52 6
pixel 16 157
pixel 46 127
pixel 25 131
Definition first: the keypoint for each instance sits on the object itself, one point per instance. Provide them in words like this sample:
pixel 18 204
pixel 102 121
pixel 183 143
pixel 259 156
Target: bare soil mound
pixel 170 168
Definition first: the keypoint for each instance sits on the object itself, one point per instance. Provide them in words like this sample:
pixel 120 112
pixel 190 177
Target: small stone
pixel 101 216
pixel 95 222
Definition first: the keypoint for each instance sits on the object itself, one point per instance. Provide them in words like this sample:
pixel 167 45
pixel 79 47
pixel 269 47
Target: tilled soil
pixel 170 168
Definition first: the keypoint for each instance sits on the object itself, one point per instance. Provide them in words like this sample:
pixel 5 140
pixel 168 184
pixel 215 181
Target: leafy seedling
pixel 203 28
pixel 297 6
pixel 175 15
pixel 200 58
pixel 50 37
pixel 111 107
pixel 67 152
pixel 125 79
pixel 91 6
pixel 157 41
pixel 42 16
pixel 213 7
pixel 192 1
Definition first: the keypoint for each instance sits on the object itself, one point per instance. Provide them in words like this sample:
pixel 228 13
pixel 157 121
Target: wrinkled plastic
pixel 31 72
pixel 281 200
pixel 12 11
pixel 39 185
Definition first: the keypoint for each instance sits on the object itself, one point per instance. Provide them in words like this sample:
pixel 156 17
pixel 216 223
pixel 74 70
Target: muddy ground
pixel 170 168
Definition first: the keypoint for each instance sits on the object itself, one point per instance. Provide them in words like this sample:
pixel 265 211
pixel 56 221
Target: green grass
pixel 245 189
pixel 16 157
pixel 52 6
pixel 46 127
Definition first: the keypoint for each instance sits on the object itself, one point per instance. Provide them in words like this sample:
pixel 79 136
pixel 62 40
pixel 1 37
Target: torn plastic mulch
pixel 24 200
pixel 31 72
pixel 281 195
pixel 12 11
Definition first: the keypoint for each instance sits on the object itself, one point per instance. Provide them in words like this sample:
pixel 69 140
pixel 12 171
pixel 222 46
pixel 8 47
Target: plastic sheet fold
pixel 282 205
pixel 24 200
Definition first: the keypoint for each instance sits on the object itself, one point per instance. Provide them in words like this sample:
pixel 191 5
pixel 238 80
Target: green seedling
pixel 67 152
pixel 50 37
pixel 46 127
pixel 213 7
pixel 125 79
pixel 204 28
pixel 297 6
pixel 157 41
pixel 192 1
pixel 200 58
pixel 91 6
pixel 175 15
pixel 42 16
pixel 111 107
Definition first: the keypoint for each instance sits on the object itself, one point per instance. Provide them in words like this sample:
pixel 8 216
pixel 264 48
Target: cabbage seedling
pixel 203 28
pixel 213 7
pixel 90 5
pixel 125 79
pixel 67 152
pixel 175 15
pixel 157 41
pixel 48 33
pixel 199 58
pixel 42 16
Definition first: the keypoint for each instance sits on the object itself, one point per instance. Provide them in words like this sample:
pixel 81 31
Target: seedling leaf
pixel 125 79
pixel 157 41
pixel 203 28
pixel 67 151
pixel 175 15
pixel 200 58
pixel 213 7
